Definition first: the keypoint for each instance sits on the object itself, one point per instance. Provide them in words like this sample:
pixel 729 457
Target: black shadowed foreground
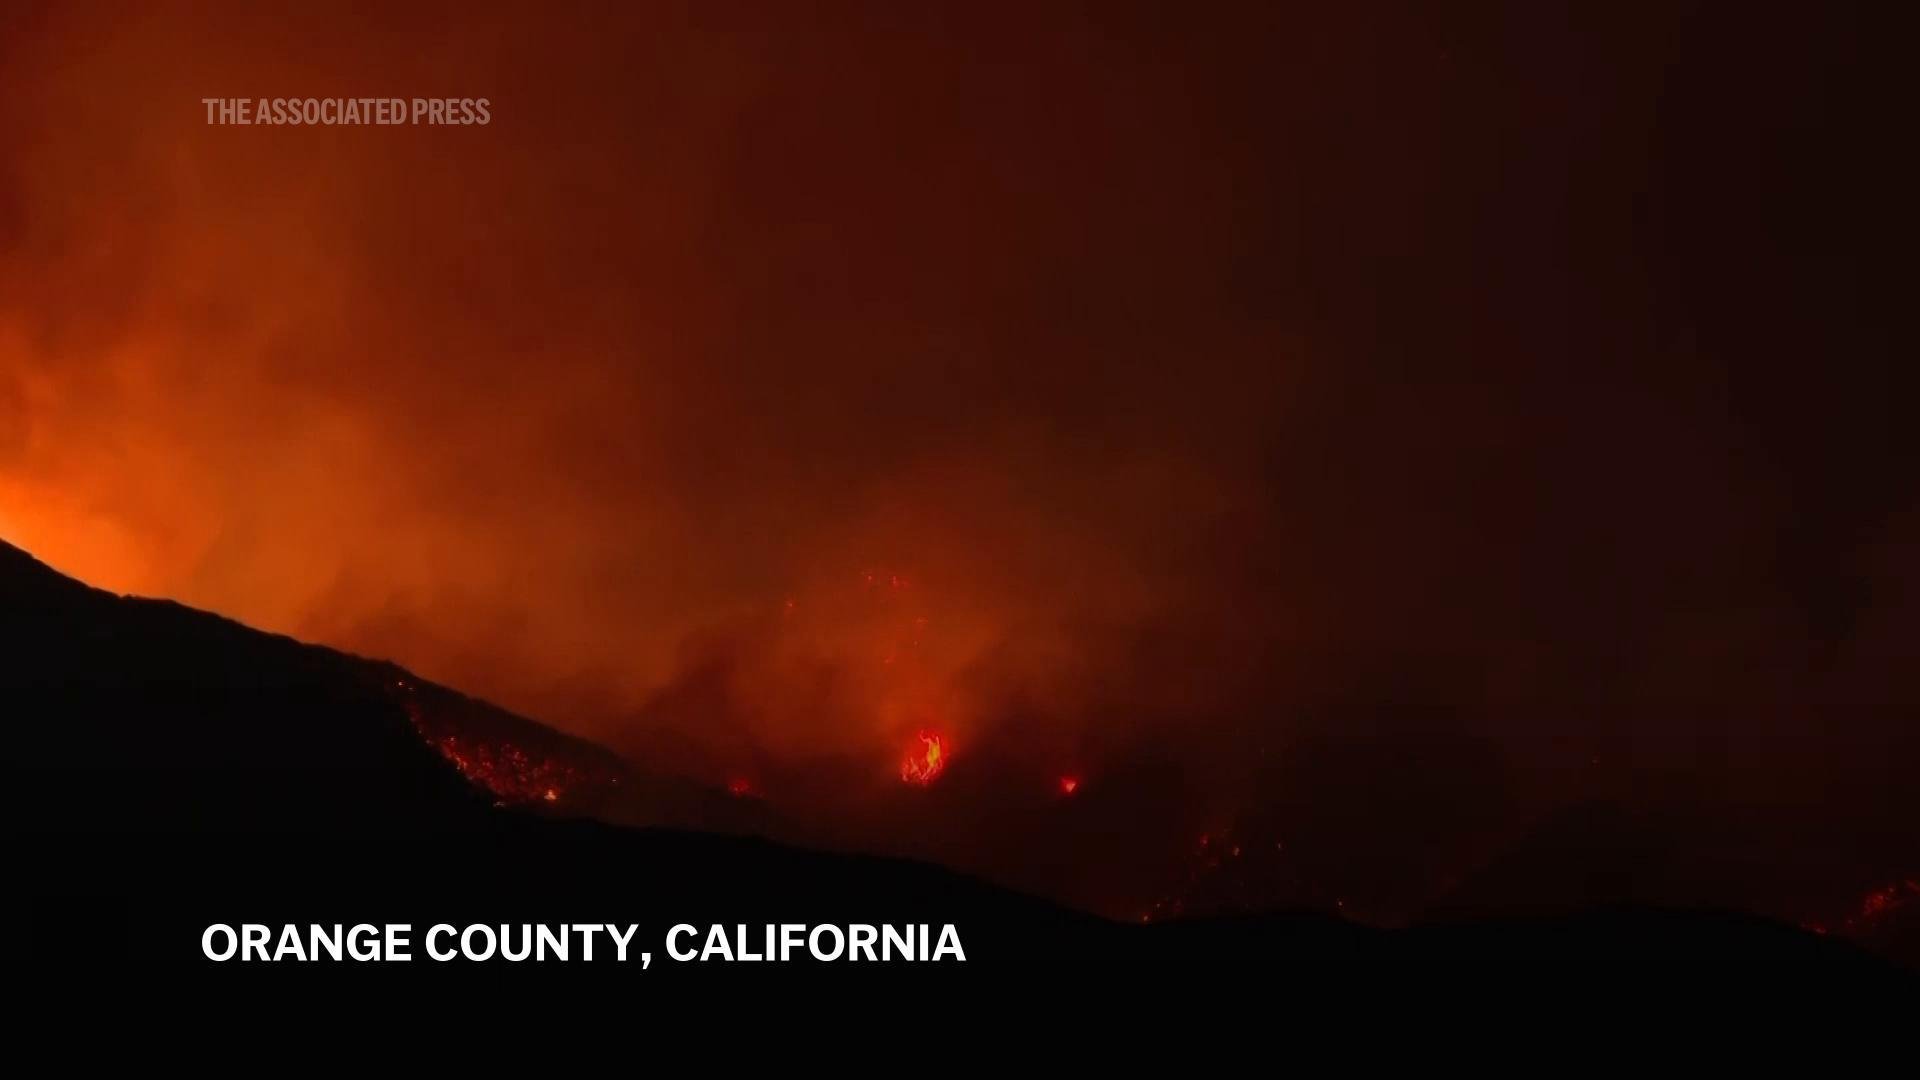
pixel 172 770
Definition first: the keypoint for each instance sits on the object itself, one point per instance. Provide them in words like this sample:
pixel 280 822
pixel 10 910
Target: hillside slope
pixel 174 769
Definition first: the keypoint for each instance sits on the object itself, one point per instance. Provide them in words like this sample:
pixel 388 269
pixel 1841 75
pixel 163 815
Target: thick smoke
pixel 1145 395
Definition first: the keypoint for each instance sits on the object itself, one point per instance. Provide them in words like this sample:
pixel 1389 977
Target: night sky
pixel 1386 425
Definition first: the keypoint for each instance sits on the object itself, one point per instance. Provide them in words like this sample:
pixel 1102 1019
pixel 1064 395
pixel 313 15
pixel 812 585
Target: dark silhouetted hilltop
pixel 172 769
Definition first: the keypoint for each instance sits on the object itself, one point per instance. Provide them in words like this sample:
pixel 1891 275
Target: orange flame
pixel 926 761
pixel 1069 785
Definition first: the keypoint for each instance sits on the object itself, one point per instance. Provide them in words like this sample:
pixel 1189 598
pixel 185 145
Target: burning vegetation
pixel 1231 864
pixel 507 771
pixel 1880 907
pixel 926 759
pixel 531 766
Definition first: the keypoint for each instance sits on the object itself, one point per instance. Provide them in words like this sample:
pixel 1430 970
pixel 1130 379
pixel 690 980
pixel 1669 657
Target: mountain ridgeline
pixel 173 769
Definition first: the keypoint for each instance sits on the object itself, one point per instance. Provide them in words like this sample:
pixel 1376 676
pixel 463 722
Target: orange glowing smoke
pixel 925 761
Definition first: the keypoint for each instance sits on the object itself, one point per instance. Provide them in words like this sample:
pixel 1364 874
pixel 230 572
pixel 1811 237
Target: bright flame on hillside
pixel 925 760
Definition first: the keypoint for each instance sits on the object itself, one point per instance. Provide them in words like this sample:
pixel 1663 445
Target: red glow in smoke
pixel 739 786
pixel 1069 785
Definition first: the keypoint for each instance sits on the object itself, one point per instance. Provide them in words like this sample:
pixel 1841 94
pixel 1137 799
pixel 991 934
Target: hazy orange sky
pixel 717 313
pixel 1278 356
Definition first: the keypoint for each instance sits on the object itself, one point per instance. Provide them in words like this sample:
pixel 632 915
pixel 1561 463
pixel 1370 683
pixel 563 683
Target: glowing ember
pixel 1069 785
pixel 508 772
pixel 1884 901
pixel 738 786
pixel 925 761
pixel 511 773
